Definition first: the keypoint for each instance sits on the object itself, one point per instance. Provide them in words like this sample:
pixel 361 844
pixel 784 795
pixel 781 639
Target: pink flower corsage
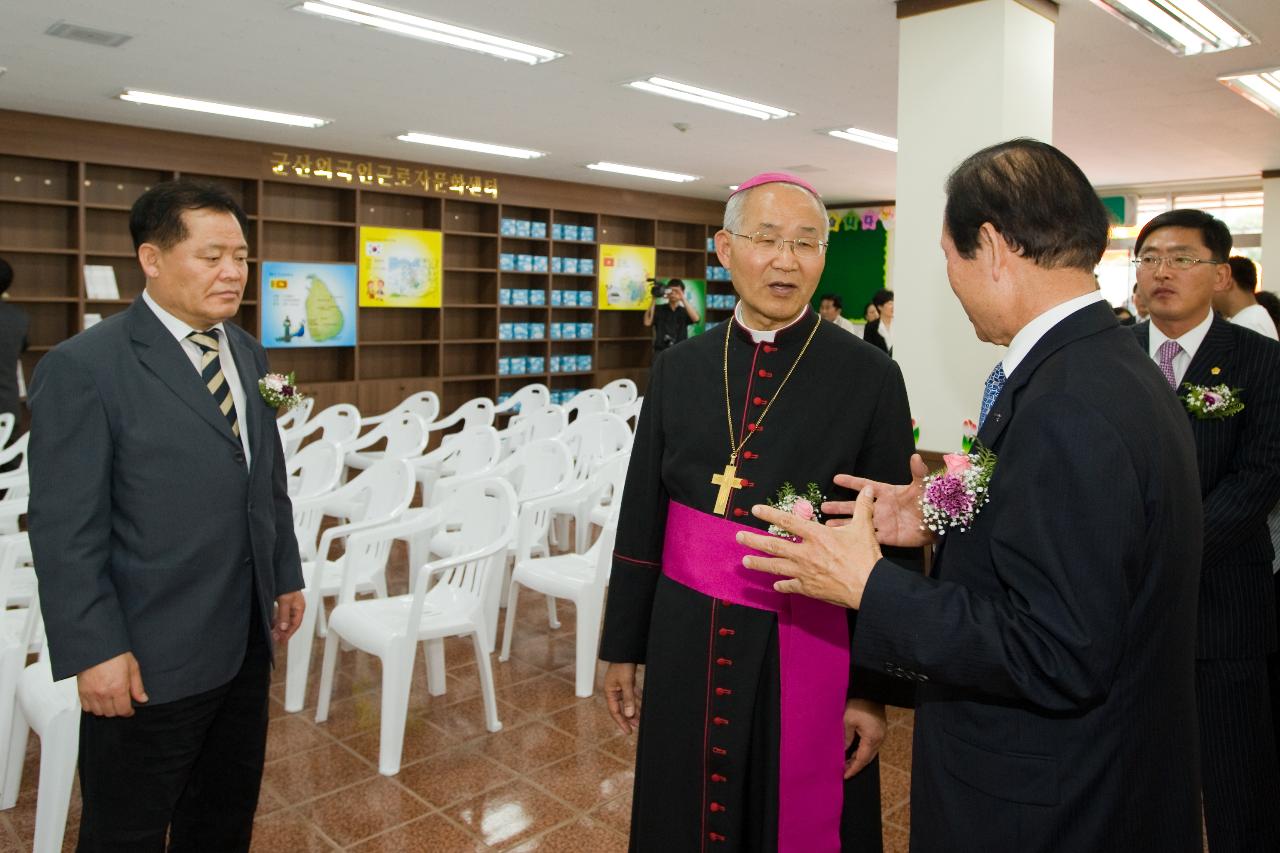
pixel 807 506
pixel 954 495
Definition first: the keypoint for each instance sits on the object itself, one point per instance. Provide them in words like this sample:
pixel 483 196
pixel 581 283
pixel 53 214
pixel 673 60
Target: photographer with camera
pixel 670 322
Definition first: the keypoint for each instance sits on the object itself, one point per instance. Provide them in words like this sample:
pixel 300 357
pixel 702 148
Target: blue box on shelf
pixel 569 331
pixel 506 261
pixel 507 228
pixel 524 263
pixel 504 366
pixel 537 297
pixel 519 365
pixel 523 227
pixel 557 298
pixel 506 331
pixel 538 230
pixel 557 231
pixel 711 244
pixel 586 331
pixel 557 264
pixel 586 233
pixel 521 330
pixel 537 331
pixel 587 266
pixel 555 331
pixel 584 298
pixel 536 363
pixel 504 296
pixel 571 232
pixel 555 365
pixel 539 263
pixel 584 362
pixel 570 265
pixel 504 396
pixel 519 296
pixel 569 298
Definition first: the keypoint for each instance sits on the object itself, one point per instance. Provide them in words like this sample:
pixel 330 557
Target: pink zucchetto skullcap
pixel 774 178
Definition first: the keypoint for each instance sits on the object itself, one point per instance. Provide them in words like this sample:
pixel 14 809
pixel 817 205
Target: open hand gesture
pixel 897 516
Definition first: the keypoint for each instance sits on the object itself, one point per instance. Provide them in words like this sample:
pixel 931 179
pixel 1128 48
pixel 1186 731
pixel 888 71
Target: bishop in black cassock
pixel 707 765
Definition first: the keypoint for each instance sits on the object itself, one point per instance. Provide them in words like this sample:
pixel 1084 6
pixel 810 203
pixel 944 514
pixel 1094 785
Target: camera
pixel 658 290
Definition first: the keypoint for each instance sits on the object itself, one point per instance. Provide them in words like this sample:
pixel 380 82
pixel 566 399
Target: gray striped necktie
pixel 211 373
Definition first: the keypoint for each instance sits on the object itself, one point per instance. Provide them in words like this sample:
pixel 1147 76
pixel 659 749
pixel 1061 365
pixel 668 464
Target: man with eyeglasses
pixel 1182 261
pixel 756 734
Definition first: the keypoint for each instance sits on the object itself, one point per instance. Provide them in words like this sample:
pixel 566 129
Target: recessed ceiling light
pixel 641 172
pixel 137 97
pixel 1261 87
pixel 708 98
pixel 418 27
pixel 467 145
pixel 865 137
pixel 1184 27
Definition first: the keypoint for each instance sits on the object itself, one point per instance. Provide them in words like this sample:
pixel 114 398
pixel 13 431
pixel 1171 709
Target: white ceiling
pixel 1127 110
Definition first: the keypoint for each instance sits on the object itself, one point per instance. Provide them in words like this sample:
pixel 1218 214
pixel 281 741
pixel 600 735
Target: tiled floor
pixel 556 778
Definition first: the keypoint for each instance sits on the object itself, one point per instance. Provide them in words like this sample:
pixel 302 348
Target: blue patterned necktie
pixel 991 391
pixel 211 374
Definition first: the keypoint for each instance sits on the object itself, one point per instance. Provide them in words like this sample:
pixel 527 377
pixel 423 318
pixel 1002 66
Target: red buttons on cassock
pixel 759 401
pixel 715 836
pixel 770 348
pixel 726 632
pixel 716 777
pixel 739 511
pixel 720 721
pixel 764 374
pixel 724 603
pixel 717 807
pixel 747 454
pixel 723 691
pixel 723 662
pixel 718 751
pixel 750 484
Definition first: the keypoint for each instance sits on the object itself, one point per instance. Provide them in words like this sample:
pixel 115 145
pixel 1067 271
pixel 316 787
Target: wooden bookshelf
pixel 66 187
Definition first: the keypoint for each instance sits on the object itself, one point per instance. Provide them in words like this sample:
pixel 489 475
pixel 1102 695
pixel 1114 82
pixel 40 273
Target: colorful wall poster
pixel 624 274
pixel 400 268
pixel 308 305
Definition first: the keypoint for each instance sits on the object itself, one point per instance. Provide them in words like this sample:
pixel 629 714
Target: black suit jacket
pixel 871 334
pixel 148 532
pixel 13 342
pixel 1054 645
pixel 1239 463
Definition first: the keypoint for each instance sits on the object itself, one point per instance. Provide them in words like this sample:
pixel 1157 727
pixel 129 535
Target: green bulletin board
pixel 856 261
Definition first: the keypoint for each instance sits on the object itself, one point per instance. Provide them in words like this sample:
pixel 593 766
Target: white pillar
pixel 1271 230
pixel 968 76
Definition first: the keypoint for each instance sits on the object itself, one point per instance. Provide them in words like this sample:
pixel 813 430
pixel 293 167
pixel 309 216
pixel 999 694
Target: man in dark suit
pixel 13 342
pixel 878 332
pixel 1182 260
pixel 1053 645
pixel 163 538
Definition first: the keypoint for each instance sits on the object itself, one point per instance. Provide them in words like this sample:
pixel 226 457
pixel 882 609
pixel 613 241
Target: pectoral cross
pixel 727 483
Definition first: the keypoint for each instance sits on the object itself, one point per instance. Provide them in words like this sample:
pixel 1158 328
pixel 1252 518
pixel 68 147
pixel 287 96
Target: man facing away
pixel 1182 260
pixel 163 538
pixel 749 704
pixel 1238 302
pixel 1054 644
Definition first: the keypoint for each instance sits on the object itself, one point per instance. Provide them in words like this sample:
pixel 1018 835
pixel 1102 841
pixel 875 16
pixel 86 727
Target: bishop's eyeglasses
pixel 802 247
pixel 1151 263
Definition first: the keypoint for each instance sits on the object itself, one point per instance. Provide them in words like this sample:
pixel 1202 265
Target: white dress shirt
pixel 847 326
pixel 180 330
pixel 764 337
pixel 1190 342
pixel 886 332
pixel 1029 335
pixel 1256 317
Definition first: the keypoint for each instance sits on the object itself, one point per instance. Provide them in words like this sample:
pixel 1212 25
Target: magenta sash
pixel 700 552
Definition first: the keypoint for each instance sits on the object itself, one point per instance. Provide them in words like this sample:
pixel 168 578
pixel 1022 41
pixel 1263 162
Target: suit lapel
pixel 1214 352
pixel 163 356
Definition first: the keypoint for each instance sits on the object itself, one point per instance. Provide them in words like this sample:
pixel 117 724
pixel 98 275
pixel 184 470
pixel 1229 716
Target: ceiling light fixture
pixel 418 27
pixel 467 145
pixel 708 98
pixel 1261 87
pixel 641 172
pixel 153 99
pixel 1183 27
pixel 865 137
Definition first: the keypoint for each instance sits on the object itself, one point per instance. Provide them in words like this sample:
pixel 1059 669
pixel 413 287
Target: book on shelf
pixel 100 282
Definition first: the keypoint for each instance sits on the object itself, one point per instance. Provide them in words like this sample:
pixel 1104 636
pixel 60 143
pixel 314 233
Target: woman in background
pixel 879 332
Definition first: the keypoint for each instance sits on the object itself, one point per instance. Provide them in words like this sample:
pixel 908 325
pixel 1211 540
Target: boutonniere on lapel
pixel 806 506
pixel 954 495
pixel 1212 402
pixel 279 390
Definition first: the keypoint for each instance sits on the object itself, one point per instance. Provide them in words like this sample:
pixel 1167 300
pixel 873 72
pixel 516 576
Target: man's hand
pixel 897 515
pixel 288 616
pixel 828 563
pixel 107 688
pixel 866 719
pixel 623 696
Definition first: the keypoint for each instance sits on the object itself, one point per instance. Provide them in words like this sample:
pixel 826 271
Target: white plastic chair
pixel 586 402
pixel 448 599
pixel 631 412
pixel 17 450
pixel 581 578
pixel 620 392
pixel 375 497
pixel 315 469
pixel 404 433
pixel 535 395
pixel 339 423
pixel 297 416
pixel 424 404
pixel 463 454
pixel 52 710
pixel 472 415
pixel 591 439
pixel 7 423
pixel 19 628
pixel 532 424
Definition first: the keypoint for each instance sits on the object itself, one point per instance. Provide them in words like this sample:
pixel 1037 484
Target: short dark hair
pixel 156 217
pixel 6 275
pixel 833 299
pixel 675 282
pixel 1244 273
pixel 882 296
pixel 1036 197
pixel 1213 231
pixel 1271 302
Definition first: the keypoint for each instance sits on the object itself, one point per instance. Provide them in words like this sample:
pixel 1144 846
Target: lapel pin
pixel 1215 371
pixel 997 417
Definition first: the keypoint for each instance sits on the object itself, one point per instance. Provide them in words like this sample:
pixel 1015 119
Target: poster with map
pixel 624 277
pixel 400 267
pixel 308 305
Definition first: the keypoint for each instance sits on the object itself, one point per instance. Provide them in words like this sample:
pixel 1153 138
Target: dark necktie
pixel 991 391
pixel 211 373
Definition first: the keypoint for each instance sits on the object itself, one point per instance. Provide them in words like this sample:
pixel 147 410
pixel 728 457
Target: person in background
pixel 830 307
pixel 670 322
pixel 1239 303
pixel 13 342
pixel 1139 305
pixel 1271 302
pixel 871 312
pixel 879 332
pixel 1123 315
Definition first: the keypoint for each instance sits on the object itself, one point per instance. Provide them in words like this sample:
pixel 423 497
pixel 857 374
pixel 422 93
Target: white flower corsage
pixel 279 390
pixel 1212 402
